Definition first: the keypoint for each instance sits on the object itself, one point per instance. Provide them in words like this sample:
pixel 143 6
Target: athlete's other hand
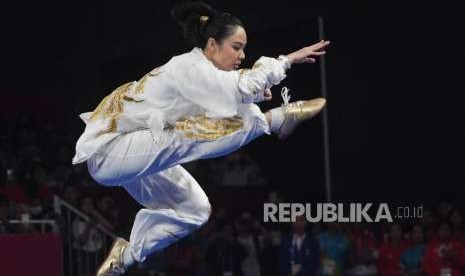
pixel 308 54
pixel 267 96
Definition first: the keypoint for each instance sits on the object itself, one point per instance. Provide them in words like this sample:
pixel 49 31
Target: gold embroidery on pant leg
pixel 203 128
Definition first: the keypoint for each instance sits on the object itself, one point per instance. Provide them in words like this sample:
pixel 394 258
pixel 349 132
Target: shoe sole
pixel 108 255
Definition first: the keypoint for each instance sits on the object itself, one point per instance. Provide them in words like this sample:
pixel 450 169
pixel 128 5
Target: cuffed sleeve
pixel 220 92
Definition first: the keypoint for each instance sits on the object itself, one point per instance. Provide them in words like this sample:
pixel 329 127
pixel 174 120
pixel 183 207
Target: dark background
pixel 395 79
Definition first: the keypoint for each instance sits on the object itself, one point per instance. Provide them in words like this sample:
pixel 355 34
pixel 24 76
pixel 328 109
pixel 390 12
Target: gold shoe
pixel 297 112
pixel 113 264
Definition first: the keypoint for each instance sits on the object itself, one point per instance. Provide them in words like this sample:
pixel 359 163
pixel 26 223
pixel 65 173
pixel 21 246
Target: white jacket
pixel 187 85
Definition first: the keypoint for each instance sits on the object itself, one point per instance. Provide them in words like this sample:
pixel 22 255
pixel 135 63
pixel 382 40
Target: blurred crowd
pixel 35 165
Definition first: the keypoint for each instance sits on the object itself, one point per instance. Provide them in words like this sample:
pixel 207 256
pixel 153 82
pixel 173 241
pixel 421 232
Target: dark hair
pixel 219 25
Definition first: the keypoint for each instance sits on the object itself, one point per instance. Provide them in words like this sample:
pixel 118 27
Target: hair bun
pixel 186 12
pixel 199 21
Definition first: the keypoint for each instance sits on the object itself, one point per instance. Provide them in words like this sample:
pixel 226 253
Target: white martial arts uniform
pixel 185 110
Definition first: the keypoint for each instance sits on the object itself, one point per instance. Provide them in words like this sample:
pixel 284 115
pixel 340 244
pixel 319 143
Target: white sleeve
pixel 212 89
pixel 265 73
pixel 220 92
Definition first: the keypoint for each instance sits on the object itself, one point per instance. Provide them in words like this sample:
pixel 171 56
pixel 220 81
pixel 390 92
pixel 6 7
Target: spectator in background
pixel 36 208
pixel 429 224
pixel 334 247
pixel 456 221
pixel 88 239
pixel 79 177
pixel 234 173
pixel 240 170
pixel 390 252
pixel 255 243
pixel 182 258
pixel 61 174
pixel 363 250
pixel 299 253
pixel 109 210
pixel 444 256
pixel 443 210
pixel 412 258
pixel 224 255
pixel 5 226
pixel 200 241
pixel 26 180
pixel 317 228
pixel 3 169
pixel 256 175
pixel 71 195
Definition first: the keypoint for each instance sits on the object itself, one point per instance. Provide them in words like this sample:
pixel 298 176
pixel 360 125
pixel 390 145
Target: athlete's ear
pixel 211 44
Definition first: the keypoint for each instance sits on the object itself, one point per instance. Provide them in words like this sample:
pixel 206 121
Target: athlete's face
pixel 228 54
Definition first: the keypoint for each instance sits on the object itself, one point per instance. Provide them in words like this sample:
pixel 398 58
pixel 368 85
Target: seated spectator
pixel 3 169
pixel 256 175
pixel 428 221
pixel 71 195
pixel 456 220
pixel 240 170
pixel 299 253
pixel 36 208
pixel 412 258
pixel 390 252
pixel 363 250
pixel 182 258
pixel 88 239
pixel 109 210
pixel 224 255
pixel 5 226
pixel 444 256
pixel 334 248
pixel 443 210
pixel 255 242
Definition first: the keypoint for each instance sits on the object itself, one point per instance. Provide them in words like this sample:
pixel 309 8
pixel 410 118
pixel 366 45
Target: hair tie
pixel 203 19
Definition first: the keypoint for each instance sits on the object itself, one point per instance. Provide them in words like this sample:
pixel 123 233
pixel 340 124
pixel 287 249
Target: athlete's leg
pixel 136 154
pixel 175 205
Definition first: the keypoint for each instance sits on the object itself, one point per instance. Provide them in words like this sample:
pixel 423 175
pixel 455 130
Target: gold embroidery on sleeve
pixel 243 71
pixel 112 106
pixel 141 83
pixel 256 65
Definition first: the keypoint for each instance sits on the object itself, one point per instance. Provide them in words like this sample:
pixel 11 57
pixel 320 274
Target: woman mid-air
pixel 197 105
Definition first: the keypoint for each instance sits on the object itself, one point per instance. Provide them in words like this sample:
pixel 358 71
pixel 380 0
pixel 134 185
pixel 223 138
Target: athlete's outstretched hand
pixel 308 54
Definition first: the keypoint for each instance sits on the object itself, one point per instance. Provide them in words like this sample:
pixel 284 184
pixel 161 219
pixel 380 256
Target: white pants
pixel 175 204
